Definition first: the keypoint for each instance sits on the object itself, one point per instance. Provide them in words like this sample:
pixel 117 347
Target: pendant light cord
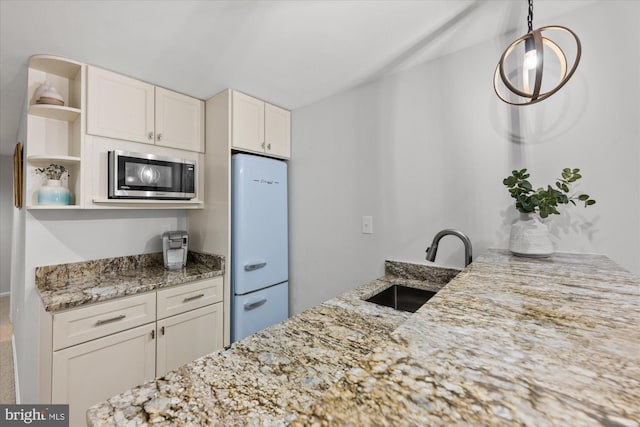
pixel 530 16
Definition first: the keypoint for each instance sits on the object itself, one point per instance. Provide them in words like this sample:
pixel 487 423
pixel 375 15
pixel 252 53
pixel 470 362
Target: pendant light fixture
pixel 533 64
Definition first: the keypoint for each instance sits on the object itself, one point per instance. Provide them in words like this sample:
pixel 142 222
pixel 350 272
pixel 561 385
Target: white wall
pixel 6 215
pixel 427 148
pixel 57 237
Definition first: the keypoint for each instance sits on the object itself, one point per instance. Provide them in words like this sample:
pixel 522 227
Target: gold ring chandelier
pixel 533 63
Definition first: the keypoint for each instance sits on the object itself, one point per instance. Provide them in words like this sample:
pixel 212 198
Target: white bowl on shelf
pixel 47 94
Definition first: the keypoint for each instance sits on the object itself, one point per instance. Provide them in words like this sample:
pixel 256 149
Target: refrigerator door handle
pixel 256 266
pixel 251 305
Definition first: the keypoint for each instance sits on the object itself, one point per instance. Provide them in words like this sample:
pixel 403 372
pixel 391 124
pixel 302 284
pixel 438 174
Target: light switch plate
pixel 367 225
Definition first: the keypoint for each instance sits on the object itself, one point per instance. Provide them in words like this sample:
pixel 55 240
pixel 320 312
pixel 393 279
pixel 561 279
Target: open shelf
pixel 54 65
pixel 35 180
pixel 56 207
pixel 131 203
pixel 44 159
pixel 55 112
pixel 55 133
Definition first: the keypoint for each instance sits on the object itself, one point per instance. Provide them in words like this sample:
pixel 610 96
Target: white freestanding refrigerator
pixel 259 244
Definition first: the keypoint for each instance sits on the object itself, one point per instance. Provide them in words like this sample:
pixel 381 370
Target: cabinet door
pixel 179 121
pixel 277 131
pixel 88 373
pixel 247 131
pixel 187 336
pixel 119 107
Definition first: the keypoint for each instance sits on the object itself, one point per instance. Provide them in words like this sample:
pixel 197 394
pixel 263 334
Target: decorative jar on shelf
pixel 54 193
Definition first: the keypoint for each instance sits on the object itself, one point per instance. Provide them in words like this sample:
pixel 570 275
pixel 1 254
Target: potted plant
pixel 529 235
pixel 53 192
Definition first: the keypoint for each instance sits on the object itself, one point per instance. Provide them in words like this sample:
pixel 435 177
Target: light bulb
pixel 530 63
pixel 530 60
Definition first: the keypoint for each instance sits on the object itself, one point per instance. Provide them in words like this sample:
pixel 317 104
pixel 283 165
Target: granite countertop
pixel 508 341
pixel 66 286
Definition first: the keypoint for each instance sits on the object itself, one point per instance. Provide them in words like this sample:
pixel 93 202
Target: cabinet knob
pixel 153 334
pixel 262 145
pixel 150 135
pixel 159 136
pixel 268 146
pixel 162 330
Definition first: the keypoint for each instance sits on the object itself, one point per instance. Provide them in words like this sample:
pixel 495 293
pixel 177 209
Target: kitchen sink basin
pixel 402 298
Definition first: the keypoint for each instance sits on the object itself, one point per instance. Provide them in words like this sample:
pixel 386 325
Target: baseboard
pixel 16 381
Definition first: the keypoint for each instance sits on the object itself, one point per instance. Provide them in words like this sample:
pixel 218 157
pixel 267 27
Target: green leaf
pixel 543 200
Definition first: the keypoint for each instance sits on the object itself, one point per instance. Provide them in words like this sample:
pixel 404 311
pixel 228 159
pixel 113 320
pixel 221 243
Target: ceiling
pixel 291 53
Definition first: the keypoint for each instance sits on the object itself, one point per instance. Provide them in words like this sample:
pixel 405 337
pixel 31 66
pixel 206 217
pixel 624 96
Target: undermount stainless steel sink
pixel 402 298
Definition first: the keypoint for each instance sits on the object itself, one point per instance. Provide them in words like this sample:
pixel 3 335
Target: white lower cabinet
pixel 104 349
pixel 185 337
pixel 88 373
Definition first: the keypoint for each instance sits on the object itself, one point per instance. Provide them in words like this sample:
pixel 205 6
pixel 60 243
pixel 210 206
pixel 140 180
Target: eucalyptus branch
pixel 543 201
pixel 53 171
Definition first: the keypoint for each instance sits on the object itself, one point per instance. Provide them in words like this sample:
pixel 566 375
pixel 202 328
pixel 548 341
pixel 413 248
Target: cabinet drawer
pixel 84 324
pixel 182 298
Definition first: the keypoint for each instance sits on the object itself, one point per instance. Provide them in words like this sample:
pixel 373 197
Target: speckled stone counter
pixel 509 341
pixel 65 286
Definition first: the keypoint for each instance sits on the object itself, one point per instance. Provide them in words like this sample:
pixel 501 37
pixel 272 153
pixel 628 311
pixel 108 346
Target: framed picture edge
pixel 17 175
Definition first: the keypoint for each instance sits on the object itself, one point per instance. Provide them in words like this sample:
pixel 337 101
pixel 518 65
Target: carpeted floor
pixel 7 390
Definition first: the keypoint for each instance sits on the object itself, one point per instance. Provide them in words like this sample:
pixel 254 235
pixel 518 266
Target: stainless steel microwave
pixel 147 176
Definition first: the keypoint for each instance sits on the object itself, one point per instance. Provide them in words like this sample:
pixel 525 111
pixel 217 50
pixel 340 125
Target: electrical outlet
pixel 367 225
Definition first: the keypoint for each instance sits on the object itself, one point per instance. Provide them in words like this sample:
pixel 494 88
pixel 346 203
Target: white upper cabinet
pixel 248 122
pixel 179 121
pixel 119 107
pixel 124 108
pixel 277 131
pixel 260 127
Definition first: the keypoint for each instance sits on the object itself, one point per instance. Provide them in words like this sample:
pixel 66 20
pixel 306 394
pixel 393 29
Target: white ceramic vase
pixel 53 193
pixel 530 237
